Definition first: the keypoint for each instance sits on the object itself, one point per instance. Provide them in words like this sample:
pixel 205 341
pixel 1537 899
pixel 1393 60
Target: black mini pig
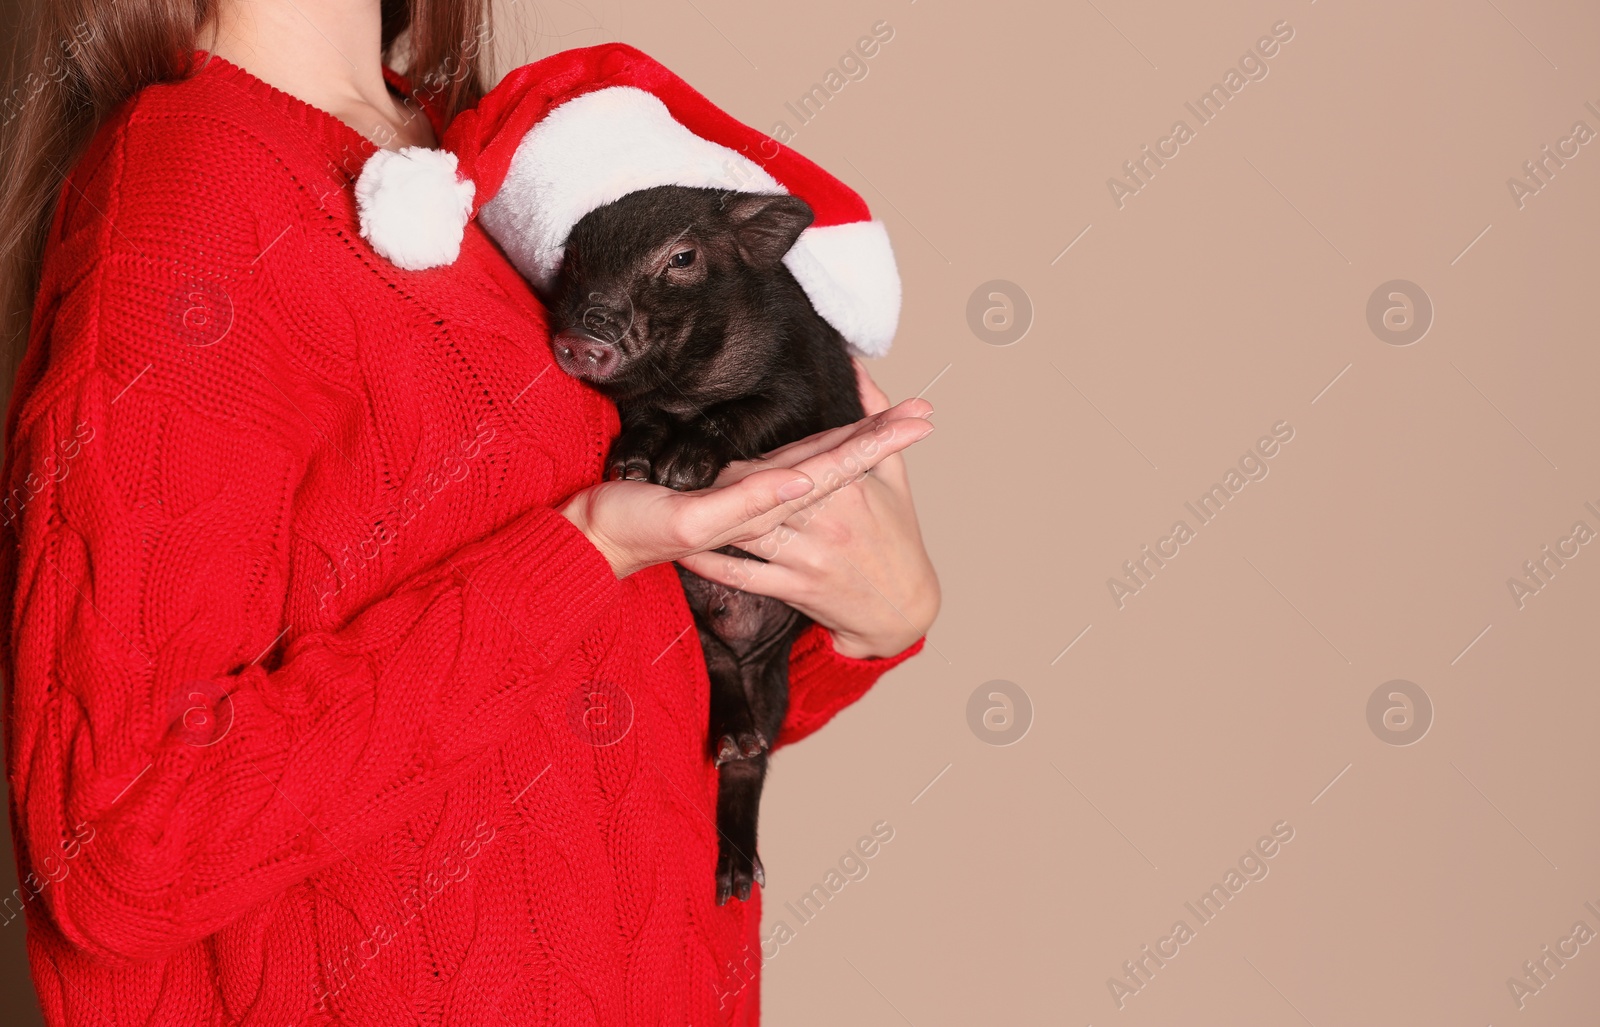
pixel 675 302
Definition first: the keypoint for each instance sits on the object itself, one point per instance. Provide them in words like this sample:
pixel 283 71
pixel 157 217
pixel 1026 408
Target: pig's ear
pixel 766 225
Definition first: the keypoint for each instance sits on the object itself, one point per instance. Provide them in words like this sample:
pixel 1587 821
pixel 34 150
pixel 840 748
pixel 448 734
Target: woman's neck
pixel 328 53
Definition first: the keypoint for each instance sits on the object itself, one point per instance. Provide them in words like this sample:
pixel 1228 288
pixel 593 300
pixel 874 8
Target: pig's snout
pixel 583 355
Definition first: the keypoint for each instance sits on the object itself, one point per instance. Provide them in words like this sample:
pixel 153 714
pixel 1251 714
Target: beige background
pixel 1225 297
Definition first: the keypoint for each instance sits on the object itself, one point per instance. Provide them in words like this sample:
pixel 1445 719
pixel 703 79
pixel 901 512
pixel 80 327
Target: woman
pixel 340 690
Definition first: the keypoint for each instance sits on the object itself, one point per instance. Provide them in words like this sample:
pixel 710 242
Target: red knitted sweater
pixel 318 711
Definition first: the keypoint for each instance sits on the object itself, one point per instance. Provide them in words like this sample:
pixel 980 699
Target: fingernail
pixel 795 489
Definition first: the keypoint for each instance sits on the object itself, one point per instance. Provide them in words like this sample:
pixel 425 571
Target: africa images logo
pixel 600 712
pixel 1254 66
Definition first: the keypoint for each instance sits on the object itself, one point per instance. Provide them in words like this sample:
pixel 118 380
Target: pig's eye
pixel 680 259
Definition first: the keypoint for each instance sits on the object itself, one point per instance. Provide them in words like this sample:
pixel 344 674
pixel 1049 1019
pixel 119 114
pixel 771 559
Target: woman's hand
pixel 635 524
pixel 852 558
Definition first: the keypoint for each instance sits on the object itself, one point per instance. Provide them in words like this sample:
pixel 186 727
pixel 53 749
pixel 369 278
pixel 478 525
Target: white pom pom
pixel 413 210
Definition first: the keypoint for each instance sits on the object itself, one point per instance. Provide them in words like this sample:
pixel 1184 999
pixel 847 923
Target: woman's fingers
pixel 635 524
pixel 757 504
pixel 821 442
pixel 713 517
pixel 892 470
pixel 870 446
pixel 746 575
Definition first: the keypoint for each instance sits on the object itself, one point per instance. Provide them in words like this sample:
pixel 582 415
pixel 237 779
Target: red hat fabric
pixel 567 134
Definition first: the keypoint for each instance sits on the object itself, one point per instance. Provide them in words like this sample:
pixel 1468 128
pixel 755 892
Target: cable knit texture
pixel 318 711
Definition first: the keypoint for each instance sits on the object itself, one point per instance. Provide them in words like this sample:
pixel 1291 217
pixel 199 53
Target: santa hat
pixel 560 137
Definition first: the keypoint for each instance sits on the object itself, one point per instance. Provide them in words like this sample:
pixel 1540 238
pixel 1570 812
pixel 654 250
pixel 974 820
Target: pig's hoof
pixel 737 875
pixel 633 468
pixel 688 466
pixel 742 745
pixel 690 478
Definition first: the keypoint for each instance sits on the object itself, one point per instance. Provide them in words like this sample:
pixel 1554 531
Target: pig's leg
pixel 738 805
pixel 740 782
pixel 692 455
pixel 739 429
pixel 733 733
pixel 751 425
pixel 741 759
pixel 746 639
pixel 766 673
pixel 633 454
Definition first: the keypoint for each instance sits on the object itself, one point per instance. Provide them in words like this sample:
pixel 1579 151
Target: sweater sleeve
pixel 823 681
pixel 168 774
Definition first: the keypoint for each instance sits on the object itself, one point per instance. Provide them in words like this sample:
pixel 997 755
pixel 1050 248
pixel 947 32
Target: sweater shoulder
pixel 181 159
pixel 191 218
